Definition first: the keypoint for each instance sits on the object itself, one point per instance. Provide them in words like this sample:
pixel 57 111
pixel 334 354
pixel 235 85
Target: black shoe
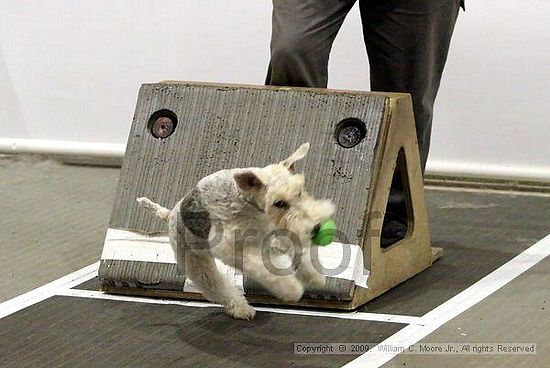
pixel 393 230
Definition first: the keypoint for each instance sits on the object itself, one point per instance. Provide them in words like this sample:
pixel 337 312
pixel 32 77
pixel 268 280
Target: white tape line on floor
pixel 453 307
pixel 44 292
pixel 363 316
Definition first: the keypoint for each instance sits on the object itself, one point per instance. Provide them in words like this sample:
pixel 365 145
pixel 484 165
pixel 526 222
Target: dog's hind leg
pixel 201 268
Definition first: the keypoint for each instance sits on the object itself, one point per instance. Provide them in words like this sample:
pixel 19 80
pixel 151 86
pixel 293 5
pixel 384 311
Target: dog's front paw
pixel 289 291
pixel 311 278
pixel 241 311
pixel 316 280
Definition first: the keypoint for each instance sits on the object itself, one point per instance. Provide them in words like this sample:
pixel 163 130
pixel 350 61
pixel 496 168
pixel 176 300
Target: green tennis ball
pixel 326 233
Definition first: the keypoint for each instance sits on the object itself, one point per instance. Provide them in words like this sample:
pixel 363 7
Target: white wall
pixel 70 71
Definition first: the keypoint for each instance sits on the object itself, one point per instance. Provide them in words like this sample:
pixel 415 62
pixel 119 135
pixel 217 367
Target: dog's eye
pixel 280 204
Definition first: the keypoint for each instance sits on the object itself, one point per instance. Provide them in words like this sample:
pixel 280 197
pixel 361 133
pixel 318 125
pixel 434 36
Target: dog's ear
pixel 248 182
pixel 299 154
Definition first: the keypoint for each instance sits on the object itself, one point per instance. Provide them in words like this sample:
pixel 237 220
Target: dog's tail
pixel 154 208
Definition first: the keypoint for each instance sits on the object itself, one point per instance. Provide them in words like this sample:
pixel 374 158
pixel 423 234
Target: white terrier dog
pixel 257 220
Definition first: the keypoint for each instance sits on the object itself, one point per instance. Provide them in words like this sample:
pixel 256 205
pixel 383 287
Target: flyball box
pixel 183 131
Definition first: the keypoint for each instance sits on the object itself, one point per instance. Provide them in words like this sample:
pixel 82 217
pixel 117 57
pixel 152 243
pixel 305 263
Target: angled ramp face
pixel 227 126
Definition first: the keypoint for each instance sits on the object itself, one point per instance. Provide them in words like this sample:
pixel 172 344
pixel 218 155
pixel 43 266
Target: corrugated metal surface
pixel 222 127
pixel 164 276
pixel 147 275
pixel 225 127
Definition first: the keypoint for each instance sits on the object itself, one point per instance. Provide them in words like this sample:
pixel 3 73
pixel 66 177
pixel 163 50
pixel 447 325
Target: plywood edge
pixel 391 266
pixel 254 299
pixel 275 88
pixel 367 239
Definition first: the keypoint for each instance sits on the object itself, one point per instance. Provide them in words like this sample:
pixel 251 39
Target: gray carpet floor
pixel 53 220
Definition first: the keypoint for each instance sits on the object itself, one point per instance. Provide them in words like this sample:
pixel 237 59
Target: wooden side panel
pixel 404 259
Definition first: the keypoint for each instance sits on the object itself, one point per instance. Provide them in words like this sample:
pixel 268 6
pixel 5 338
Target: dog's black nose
pixel 316 230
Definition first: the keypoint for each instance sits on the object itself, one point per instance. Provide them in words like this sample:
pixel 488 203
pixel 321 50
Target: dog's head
pixel 280 192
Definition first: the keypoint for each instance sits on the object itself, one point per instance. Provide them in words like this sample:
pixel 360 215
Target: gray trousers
pixel 406 40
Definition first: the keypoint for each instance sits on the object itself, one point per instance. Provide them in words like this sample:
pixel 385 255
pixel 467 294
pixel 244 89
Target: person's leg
pixel 302 35
pixel 407 43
